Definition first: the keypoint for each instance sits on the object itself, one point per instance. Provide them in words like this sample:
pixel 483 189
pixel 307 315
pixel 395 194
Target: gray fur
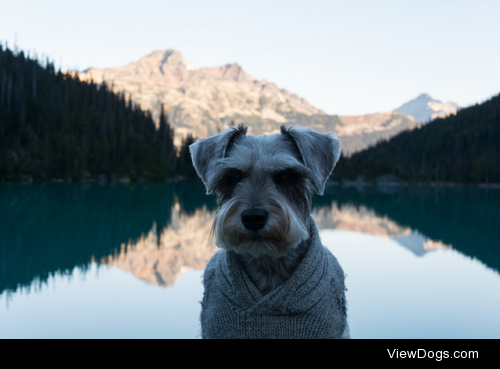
pixel 205 153
pixel 320 152
pixel 276 173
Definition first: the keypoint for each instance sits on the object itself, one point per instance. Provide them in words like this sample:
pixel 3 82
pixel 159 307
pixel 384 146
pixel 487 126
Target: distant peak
pixel 232 66
pixel 170 57
pixel 163 53
pixel 425 108
pixel 426 96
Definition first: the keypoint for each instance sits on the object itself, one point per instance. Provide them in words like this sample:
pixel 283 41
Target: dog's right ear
pixel 205 153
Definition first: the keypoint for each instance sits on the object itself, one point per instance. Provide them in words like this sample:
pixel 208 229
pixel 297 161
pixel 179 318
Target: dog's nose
pixel 254 218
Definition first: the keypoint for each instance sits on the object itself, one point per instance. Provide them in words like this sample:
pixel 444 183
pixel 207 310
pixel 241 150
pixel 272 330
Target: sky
pixel 344 57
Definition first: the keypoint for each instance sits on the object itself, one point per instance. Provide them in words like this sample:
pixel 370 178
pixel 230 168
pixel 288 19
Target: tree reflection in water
pixel 157 231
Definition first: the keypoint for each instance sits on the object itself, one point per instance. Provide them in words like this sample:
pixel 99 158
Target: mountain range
pixel 205 101
pixel 461 148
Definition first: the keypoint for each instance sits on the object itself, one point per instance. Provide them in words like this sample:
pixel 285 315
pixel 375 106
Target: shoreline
pixel 361 184
pixel 345 184
pixel 98 180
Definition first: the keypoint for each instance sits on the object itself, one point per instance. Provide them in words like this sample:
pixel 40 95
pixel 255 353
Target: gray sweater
pixel 311 304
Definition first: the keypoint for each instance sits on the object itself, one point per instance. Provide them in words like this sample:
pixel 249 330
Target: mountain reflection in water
pixel 158 231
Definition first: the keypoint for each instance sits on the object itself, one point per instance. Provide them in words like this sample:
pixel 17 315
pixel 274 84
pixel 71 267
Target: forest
pixel 462 148
pixel 54 126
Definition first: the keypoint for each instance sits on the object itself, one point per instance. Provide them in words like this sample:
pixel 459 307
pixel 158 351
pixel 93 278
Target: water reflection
pixel 158 231
pixel 160 258
pixel 48 229
pixel 467 219
pixel 363 220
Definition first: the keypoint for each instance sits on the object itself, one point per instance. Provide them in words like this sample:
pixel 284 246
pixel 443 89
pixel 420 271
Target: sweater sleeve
pixel 339 288
pixel 211 268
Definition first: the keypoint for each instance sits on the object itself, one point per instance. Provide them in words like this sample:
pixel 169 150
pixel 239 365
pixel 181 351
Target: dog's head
pixel 264 185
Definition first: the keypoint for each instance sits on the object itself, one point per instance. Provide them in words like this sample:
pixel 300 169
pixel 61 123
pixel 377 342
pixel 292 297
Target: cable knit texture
pixel 311 304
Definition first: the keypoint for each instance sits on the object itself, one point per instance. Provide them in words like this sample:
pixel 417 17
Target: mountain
pixel 461 148
pixel 205 101
pixel 424 108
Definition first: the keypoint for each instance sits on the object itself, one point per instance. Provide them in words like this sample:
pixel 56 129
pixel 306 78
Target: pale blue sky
pixel 345 57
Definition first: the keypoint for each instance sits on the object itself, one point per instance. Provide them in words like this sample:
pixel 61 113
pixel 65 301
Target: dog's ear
pixel 320 152
pixel 205 153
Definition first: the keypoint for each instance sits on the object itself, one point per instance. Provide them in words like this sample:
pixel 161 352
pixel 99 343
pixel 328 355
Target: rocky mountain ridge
pixel 205 101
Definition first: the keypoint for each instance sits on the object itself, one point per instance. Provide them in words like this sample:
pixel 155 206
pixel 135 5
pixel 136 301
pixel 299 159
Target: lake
pixel 84 260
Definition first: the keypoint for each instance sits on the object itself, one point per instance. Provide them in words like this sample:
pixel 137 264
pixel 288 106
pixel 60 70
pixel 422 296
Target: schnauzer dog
pixel 273 278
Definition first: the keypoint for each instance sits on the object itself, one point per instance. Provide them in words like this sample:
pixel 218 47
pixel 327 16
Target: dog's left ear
pixel 320 152
pixel 206 152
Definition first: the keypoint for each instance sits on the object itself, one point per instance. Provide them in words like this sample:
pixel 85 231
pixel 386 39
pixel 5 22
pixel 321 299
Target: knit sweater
pixel 311 304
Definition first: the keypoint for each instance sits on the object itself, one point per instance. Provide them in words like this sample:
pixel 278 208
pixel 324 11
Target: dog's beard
pixel 283 231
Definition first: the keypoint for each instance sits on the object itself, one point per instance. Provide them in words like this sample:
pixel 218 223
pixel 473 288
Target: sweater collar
pixel 282 300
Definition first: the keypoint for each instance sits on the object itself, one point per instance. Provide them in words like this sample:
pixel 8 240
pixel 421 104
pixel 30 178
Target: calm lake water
pixel 85 260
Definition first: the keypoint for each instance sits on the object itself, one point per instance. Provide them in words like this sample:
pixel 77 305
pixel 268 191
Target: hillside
pixel 204 101
pixel 462 148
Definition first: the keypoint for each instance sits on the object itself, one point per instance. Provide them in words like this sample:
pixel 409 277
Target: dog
pixel 272 277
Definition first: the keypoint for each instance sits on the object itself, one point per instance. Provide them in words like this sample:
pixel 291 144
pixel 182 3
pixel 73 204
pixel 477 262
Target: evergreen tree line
pixel 462 148
pixel 52 125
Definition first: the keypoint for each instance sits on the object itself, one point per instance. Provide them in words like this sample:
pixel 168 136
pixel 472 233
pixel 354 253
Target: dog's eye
pixel 285 175
pixel 232 177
